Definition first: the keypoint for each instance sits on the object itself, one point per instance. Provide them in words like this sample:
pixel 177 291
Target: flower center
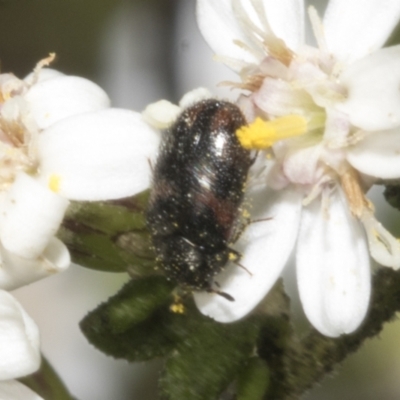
pixel 292 98
pixel 16 141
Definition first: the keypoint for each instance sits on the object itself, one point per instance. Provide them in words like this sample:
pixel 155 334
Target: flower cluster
pixel 59 141
pixel 325 121
pixel 329 119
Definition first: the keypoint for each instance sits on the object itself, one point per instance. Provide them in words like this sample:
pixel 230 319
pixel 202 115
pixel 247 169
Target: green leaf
pixel 111 217
pixel 253 380
pixel 137 300
pixel 203 357
pixel 152 338
pixel 392 195
pixel 46 383
pixel 137 323
pixel 207 360
pixel 110 236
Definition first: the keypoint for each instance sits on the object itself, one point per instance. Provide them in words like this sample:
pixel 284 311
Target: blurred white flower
pixel 328 118
pixel 19 349
pixel 59 141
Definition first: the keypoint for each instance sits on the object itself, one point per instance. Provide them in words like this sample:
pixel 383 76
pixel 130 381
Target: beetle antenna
pixel 222 294
pixel 253 221
pixel 243 267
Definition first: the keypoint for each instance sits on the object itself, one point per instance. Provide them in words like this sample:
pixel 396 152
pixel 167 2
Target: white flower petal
pixel 333 267
pixel 378 154
pixel 337 129
pixel 99 156
pixel 14 109
pixel 194 96
pixel 52 100
pixel 220 29
pixel 223 28
pixel 19 340
pixel 266 246
pixel 17 271
pixel 14 390
pixel 373 95
pixel 161 114
pixel 278 98
pixel 31 215
pixel 56 255
pixel 301 164
pixel 355 28
pixel 286 18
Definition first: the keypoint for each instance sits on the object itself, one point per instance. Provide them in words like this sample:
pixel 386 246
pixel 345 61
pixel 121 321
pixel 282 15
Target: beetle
pixel 198 186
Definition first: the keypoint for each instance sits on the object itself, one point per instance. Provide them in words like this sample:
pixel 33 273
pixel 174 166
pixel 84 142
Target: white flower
pixel 332 116
pixel 19 349
pixel 59 141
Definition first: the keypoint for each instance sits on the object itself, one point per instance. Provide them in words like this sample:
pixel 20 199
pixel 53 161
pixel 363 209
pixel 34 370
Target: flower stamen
pixel 384 248
pixel 262 134
pixel 358 203
pixel 45 62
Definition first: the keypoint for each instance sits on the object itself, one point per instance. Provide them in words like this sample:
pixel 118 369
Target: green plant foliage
pixel 208 359
pixel 204 359
pixel 136 324
pixel 109 236
pixel 202 356
pixel 253 380
pixel 137 300
pixel 46 383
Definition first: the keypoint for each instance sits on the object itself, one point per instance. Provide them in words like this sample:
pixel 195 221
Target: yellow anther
pixel 246 214
pixel 262 134
pixel 54 183
pixel 233 256
pixel 177 308
pixel 4 96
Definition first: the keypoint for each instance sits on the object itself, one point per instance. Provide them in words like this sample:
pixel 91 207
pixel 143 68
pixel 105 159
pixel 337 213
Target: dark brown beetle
pixel 198 186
